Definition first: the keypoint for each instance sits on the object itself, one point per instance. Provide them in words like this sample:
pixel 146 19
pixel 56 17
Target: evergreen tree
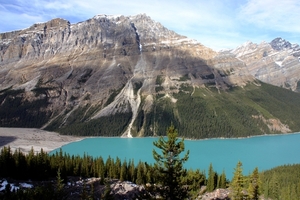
pixel 85 166
pixel 117 168
pixel 169 165
pixel 101 169
pixel 59 192
pixel 254 185
pixel 194 179
pixel 109 166
pixel 21 165
pixel 140 178
pixel 149 173
pixel 274 187
pixel 237 183
pixel 84 192
pixel 59 182
pixel 293 193
pixel 222 183
pixel 107 195
pixel 148 176
pixel 211 179
pixel 31 163
pixel 131 169
pixel 123 173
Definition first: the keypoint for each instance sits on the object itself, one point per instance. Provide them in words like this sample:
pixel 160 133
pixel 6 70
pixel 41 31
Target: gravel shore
pixel 27 138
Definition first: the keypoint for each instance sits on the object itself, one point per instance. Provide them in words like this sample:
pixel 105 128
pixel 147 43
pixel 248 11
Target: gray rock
pixel 126 190
pixel 218 194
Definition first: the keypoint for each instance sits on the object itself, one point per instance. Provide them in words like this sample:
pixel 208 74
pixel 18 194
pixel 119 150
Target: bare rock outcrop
pixel 218 194
pixel 126 190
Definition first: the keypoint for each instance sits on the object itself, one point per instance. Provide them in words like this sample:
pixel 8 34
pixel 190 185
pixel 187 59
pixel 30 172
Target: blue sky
pixel 218 24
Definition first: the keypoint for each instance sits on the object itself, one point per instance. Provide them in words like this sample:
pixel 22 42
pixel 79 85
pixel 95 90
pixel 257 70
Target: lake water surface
pixel 264 152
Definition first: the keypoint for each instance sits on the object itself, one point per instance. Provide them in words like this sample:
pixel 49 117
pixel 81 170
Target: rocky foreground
pixel 77 188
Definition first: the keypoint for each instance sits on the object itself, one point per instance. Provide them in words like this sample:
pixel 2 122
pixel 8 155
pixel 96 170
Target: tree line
pixel 43 166
pixel 282 182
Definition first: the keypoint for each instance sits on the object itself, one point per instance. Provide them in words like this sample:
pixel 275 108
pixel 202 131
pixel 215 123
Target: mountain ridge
pixel 123 71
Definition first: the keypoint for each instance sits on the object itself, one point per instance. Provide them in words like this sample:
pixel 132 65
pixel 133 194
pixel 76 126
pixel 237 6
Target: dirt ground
pixel 27 138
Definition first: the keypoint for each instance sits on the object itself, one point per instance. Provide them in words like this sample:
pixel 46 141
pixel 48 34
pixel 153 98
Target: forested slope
pixel 282 182
pixel 208 113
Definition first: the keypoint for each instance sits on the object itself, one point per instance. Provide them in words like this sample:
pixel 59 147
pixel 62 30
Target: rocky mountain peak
pixel 280 44
pixel 276 62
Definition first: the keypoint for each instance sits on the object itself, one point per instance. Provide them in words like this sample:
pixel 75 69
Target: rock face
pixel 111 69
pixel 277 62
pixel 126 190
pixel 218 194
pixel 84 64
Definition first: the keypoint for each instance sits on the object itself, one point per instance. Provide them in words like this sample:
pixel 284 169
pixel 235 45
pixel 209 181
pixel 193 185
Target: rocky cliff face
pixel 74 65
pixel 111 69
pixel 277 62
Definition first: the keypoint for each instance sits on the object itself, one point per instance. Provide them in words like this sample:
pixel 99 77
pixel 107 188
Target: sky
pixel 218 24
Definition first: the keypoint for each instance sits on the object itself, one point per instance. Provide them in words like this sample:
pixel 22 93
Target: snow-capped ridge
pixel 100 16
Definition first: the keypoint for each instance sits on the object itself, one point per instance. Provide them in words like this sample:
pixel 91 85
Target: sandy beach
pixel 26 138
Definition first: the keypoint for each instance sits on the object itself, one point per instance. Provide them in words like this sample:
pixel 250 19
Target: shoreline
pixel 240 138
pixel 27 138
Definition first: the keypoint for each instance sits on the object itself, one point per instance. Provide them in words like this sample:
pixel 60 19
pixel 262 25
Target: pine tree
pixel 293 193
pixel 222 183
pixel 101 169
pixel 131 169
pixel 149 173
pixel 60 193
pixel 108 166
pixel 123 173
pixel 21 165
pixel 170 166
pixel 140 174
pixel 107 192
pixel 274 187
pixel 117 168
pixel 31 163
pixel 254 185
pixel 211 179
pixel 237 183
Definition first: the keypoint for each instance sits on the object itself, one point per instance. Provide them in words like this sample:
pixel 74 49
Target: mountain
pixel 277 62
pixel 130 76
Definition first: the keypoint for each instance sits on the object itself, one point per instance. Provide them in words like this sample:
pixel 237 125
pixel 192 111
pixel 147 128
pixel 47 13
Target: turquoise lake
pixel 264 152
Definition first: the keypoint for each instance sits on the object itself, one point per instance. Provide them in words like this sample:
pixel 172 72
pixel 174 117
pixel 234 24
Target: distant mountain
pixel 277 62
pixel 130 76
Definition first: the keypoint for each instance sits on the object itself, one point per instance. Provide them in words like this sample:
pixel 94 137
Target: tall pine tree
pixel 254 185
pixel 169 165
pixel 222 182
pixel 237 183
pixel 211 179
